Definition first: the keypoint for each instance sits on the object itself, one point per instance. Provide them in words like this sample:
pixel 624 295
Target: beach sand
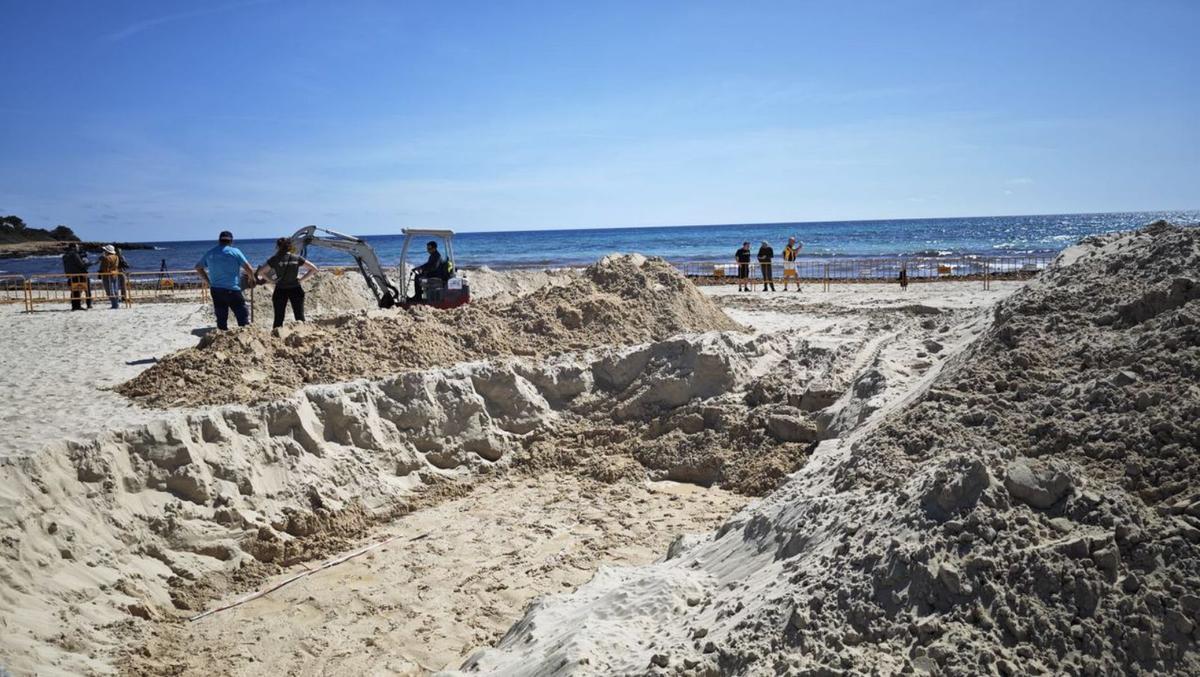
pixel 587 475
pixel 416 608
pixel 58 367
pixel 1029 508
pixel 603 488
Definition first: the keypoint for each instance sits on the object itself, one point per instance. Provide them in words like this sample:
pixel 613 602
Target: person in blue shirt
pixel 222 268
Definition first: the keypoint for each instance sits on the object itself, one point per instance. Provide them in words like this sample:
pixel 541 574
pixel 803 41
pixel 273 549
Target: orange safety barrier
pixel 876 270
pixel 91 289
pixel 165 286
pixel 86 289
pixel 12 289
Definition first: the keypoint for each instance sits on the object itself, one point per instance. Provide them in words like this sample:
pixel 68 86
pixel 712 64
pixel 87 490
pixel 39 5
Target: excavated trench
pixel 109 542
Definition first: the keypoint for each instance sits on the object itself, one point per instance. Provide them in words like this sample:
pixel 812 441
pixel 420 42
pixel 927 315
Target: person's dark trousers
pixel 77 282
pixel 280 299
pixel 225 300
pixel 766 274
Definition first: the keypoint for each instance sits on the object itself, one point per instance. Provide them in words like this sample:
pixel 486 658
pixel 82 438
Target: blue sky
pixel 172 120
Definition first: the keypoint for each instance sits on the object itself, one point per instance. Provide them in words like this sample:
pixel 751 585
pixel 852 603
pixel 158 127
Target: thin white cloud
pixel 146 24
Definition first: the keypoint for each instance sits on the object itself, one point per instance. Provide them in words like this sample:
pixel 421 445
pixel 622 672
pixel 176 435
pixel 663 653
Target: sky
pixel 172 120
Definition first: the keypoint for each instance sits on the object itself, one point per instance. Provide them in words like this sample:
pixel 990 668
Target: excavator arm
pixel 368 263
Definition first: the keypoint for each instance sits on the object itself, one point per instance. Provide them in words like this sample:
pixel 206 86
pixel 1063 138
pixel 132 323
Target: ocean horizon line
pixel 976 237
pixel 750 224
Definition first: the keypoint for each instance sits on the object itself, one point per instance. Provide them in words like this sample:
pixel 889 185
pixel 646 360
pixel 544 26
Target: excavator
pixel 445 288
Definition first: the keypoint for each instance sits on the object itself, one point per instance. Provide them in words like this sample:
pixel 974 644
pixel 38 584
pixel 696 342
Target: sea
pixel 1041 235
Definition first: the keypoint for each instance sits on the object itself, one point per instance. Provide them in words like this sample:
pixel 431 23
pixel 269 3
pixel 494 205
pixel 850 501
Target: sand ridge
pixel 1030 511
pixel 618 301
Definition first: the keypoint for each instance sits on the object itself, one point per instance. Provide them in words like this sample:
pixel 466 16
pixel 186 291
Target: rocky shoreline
pixel 19 250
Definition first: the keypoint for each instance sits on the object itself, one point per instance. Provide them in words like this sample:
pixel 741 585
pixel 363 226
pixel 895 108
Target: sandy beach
pixel 580 477
pixel 551 410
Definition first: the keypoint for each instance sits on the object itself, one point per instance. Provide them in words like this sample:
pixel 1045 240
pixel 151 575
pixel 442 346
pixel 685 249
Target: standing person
pixel 110 274
pixel 221 268
pixel 790 252
pixel 903 277
pixel 75 265
pixel 765 254
pixel 742 256
pixel 285 266
pixel 122 267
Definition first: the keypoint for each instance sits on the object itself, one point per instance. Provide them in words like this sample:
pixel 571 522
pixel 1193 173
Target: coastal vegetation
pixel 18 239
pixel 13 229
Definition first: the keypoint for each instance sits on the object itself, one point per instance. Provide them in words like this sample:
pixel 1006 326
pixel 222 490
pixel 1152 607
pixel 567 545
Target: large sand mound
pixel 1035 512
pixel 620 300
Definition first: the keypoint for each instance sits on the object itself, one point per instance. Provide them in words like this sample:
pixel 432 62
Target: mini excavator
pixel 443 288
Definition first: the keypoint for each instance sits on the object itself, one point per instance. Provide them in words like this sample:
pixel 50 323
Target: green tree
pixel 64 234
pixel 13 223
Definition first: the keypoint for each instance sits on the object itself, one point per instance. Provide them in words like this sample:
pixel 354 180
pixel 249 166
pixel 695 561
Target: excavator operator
pixel 434 266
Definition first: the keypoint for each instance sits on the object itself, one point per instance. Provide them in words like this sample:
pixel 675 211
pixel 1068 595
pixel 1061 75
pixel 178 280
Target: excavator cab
pixel 440 287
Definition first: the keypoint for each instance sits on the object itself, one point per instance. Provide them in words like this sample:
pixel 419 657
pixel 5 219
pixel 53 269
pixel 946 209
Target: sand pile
pixel 326 294
pixel 619 300
pixel 1036 511
pixel 682 410
pixel 509 284
pixel 146 520
pixel 329 294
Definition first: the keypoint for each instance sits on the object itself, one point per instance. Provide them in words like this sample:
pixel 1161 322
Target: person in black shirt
pixel 75 265
pixel 742 256
pixel 765 254
pixel 434 266
pixel 285 267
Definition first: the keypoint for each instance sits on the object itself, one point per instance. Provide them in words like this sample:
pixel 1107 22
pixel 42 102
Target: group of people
pixel 765 256
pixel 226 271
pixel 112 264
